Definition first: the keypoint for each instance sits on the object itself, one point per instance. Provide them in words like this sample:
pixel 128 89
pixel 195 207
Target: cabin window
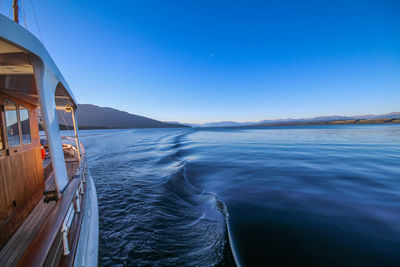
pixel 1 138
pixel 11 123
pixel 25 125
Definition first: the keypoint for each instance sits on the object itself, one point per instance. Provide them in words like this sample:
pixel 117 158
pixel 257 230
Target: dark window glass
pixel 25 125
pixel 11 123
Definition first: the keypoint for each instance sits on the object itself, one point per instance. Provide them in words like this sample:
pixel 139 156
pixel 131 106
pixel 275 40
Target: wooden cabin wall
pixel 21 176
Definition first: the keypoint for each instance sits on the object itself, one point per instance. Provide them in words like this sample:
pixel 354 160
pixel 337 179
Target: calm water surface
pixel 277 196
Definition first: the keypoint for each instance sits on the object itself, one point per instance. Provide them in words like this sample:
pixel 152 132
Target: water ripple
pixel 272 196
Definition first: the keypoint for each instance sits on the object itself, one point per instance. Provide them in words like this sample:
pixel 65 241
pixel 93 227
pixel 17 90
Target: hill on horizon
pixel 289 121
pixel 95 117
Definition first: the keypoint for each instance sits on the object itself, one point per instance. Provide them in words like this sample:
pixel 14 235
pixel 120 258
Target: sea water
pixel 301 195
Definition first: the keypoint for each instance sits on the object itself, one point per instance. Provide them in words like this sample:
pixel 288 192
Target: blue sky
pixel 198 61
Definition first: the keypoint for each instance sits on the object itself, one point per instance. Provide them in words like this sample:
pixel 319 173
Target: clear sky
pixel 198 61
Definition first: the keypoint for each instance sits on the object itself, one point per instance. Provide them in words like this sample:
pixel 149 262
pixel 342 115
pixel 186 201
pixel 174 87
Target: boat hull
pixel 87 250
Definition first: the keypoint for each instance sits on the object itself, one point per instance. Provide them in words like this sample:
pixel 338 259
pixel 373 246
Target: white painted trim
pixel 47 77
pixel 88 247
pixel 46 84
pixel 15 33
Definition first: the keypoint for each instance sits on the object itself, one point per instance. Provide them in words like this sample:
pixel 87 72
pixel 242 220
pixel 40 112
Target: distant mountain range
pixel 386 118
pixel 95 117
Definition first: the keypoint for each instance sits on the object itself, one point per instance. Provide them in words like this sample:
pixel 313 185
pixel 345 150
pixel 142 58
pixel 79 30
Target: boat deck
pixel 16 246
pixel 19 242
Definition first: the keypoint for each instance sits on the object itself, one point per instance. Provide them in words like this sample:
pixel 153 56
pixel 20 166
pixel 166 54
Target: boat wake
pixel 162 193
pixel 204 219
pixel 212 214
pixel 163 218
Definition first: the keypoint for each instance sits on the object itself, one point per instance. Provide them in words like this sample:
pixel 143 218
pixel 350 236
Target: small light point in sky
pixel 297 60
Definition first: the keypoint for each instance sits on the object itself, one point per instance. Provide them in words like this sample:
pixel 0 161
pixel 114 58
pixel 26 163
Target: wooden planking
pixel 5 209
pixel 51 182
pixel 21 176
pixel 47 168
pixel 13 250
pixel 46 248
pixel 22 186
pixel 72 166
pixel 38 251
pixel 15 247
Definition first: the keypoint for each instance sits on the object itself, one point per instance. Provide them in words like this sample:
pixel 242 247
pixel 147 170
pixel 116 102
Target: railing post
pixel 77 200
pixel 65 240
pixel 66 226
